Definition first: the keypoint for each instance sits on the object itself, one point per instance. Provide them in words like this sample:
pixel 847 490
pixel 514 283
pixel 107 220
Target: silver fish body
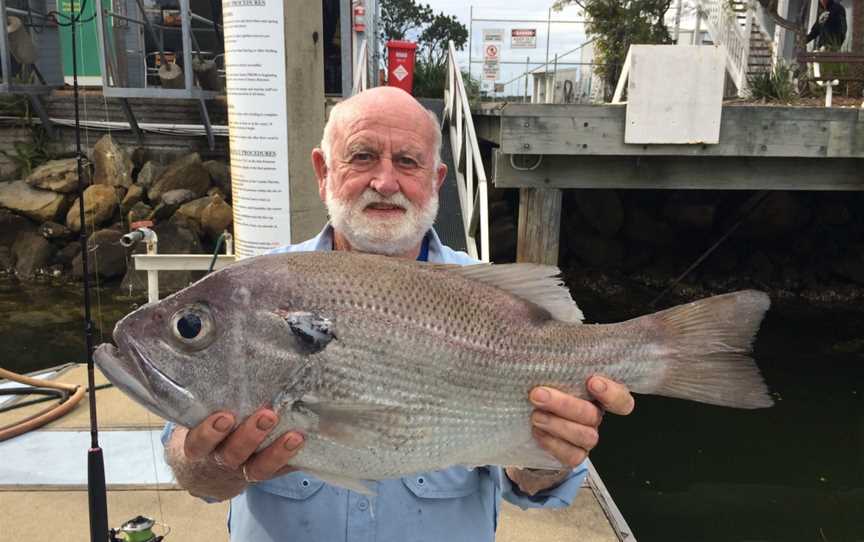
pixel 391 367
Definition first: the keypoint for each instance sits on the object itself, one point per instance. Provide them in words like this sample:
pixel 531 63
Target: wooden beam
pixel 539 225
pixel 684 172
pixel 745 131
pixel 304 70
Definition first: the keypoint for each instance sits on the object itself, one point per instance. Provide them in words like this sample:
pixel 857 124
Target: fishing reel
pixel 137 529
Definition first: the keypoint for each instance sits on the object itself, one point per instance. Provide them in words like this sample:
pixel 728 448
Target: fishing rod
pixel 97 494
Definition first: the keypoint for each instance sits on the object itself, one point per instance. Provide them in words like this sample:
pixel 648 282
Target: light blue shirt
pixel 452 505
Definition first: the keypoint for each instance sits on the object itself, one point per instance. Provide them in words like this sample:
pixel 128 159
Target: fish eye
pixel 189 326
pixel 192 326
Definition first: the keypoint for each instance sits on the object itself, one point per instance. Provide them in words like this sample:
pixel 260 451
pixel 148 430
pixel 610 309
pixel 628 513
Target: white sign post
pixel 523 38
pixel 258 124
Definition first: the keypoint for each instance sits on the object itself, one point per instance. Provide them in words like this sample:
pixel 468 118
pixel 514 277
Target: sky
pixel 562 37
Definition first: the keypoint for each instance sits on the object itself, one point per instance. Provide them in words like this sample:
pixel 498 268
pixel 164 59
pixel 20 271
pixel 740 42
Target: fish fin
pixel 356 485
pixel 527 455
pixel 354 424
pixel 312 332
pixel 709 343
pixel 538 284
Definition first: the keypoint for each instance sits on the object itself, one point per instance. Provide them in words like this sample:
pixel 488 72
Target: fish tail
pixel 707 347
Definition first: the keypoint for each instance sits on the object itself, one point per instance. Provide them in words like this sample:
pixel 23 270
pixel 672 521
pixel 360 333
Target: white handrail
pixel 467 162
pixel 727 32
pixel 361 82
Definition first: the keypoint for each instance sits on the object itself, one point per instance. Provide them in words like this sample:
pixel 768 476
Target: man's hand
pixel 213 460
pixel 566 426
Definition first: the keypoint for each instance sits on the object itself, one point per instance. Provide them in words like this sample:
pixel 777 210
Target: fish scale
pixel 392 367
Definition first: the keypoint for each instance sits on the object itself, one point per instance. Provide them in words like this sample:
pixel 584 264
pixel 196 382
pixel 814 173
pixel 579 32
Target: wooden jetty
pixel 43 482
pixel 542 149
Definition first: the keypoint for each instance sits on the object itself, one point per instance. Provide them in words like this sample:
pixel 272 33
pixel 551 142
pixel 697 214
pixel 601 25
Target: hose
pixel 43 416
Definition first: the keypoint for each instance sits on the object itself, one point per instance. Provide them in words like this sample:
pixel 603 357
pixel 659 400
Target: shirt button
pixel 363 504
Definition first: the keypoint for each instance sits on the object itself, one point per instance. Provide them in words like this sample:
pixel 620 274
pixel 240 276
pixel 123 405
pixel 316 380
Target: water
pixel 679 471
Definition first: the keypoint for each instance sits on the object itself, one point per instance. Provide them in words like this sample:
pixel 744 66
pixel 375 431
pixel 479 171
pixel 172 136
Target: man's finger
pixel 206 436
pixel 566 453
pixel 581 436
pixel 270 461
pixel 244 440
pixel 613 396
pixel 566 406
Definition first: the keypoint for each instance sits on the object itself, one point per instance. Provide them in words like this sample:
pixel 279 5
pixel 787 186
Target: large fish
pixel 391 367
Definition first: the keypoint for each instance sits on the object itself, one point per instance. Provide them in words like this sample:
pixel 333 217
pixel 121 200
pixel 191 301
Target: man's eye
pixel 407 162
pixel 362 157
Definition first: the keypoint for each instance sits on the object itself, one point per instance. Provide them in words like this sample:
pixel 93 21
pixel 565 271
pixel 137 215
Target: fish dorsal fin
pixel 538 284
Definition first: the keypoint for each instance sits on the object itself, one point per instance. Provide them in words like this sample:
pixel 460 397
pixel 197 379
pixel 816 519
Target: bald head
pixel 379 102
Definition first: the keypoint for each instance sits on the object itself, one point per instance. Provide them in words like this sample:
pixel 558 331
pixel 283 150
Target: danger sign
pixel 523 38
pixel 490 52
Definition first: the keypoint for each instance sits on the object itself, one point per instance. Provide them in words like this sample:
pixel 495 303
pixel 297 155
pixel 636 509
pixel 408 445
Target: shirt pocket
pixel 294 485
pixel 445 484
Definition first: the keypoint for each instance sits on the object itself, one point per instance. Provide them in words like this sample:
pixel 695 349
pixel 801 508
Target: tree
pixel 405 19
pixel 615 25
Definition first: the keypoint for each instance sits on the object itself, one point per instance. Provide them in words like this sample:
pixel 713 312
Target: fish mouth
pixel 136 376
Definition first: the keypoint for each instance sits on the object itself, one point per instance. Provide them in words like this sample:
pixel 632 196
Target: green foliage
pixel 772 86
pixel 615 25
pixel 28 155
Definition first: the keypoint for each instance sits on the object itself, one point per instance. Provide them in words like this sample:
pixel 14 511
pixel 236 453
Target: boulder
pixel 220 175
pixel 66 255
pixel 173 239
pixel 192 210
pixel 58 175
pixel 216 191
pixel 53 230
pixel 689 214
pixel 100 203
pixel 112 166
pixel 5 259
pixel 216 217
pixel 32 253
pixel 644 228
pixel 106 257
pixel 11 225
pixel 602 209
pixel 185 172
pixel 40 205
pixel 140 211
pixel 178 197
pixel 133 196
pixel 149 173
pixel 781 213
pixel 597 251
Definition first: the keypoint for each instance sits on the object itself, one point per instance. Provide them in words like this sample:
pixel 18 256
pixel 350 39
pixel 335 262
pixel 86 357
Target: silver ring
pixel 246 476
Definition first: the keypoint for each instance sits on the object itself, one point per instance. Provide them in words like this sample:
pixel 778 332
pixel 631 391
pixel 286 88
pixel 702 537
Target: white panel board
pixel 674 94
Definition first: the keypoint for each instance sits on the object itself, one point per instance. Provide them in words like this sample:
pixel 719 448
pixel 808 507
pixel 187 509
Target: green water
pixel 679 471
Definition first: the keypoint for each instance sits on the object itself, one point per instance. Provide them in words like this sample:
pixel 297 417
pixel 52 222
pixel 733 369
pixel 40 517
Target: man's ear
pixel 442 174
pixel 319 164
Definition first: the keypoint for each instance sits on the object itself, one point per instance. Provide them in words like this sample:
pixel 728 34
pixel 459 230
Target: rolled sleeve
pixel 559 496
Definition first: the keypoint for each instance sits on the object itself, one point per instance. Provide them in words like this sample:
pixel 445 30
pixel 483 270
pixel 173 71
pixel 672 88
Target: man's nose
pixel 385 181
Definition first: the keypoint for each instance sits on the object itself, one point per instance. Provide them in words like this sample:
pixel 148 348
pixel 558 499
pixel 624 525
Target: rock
pixel 216 217
pixel 851 268
pixel 58 175
pixel 140 211
pixel 192 210
pixel 173 239
pixel 106 257
pixel 178 197
pixel 723 260
pixel 32 253
pixel 66 255
pixel 216 191
pixel 761 267
pixel 220 175
pixel 5 259
pixel 186 172
pixel 597 251
pixel 139 157
pixel 100 203
pixel 112 165
pixel 780 214
pixel 11 225
pixel 149 173
pixel 53 230
pixel 602 209
pixel 133 196
pixel 40 205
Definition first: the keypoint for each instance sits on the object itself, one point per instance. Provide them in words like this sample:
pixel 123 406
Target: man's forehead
pixel 376 130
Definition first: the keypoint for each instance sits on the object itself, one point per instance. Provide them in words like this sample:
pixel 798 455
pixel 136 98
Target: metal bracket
pixel 47 125
pixel 133 122
pixel 205 117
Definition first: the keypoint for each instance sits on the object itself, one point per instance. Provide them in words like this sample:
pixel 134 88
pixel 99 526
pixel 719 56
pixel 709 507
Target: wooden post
pixel 539 225
pixel 304 72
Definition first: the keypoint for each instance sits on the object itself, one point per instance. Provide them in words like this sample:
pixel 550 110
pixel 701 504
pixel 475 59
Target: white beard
pixel 391 237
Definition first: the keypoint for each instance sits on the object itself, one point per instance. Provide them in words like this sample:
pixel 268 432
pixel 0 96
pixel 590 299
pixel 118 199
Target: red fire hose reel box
pixel 400 64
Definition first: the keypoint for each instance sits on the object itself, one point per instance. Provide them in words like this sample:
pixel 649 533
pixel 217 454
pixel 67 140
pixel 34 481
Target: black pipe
pixel 33 391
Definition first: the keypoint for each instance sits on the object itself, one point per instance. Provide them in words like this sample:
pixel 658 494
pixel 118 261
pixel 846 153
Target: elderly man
pixel 379 172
